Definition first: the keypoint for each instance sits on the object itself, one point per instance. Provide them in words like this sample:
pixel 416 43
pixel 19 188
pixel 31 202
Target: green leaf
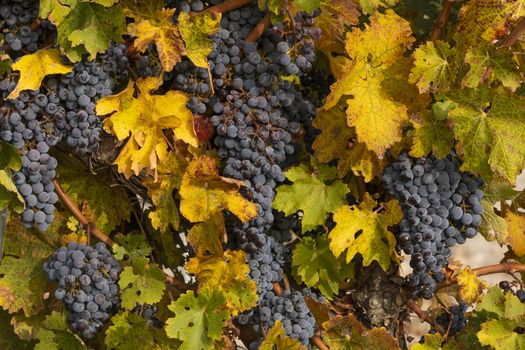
pixel 23 282
pixel 315 265
pixel 54 334
pixel 432 342
pixel 488 125
pixel 9 156
pixel 8 338
pixel 198 321
pixel 308 5
pixel 9 195
pixel 431 135
pixel 131 247
pixel 195 31
pixel 432 70
pixel 369 6
pixel 311 193
pixel 142 285
pixel 500 335
pixel 374 242
pixel 130 331
pixel 104 204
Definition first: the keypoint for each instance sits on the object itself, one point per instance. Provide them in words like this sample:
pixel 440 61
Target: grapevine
pixel 240 174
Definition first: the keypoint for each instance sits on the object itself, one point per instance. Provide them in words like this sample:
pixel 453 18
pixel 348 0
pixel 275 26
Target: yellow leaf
pixel 161 30
pixel 277 340
pixel 335 16
pixel 376 116
pixel 204 193
pixel 35 67
pixel 374 242
pixel 335 135
pixel 229 273
pixel 194 30
pixel 144 118
pixel 205 238
pixel 361 161
pixel 516 232
pixel 470 286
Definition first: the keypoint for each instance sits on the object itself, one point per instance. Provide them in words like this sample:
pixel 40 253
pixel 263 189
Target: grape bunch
pixel 453 320
pixel 87 285
pixel 441 208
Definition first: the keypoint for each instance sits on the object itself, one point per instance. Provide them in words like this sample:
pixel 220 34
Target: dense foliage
pixel 271 174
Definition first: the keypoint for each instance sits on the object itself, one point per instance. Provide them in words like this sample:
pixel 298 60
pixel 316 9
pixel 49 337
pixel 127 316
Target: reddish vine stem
pixel 438 30
pixel 259 29
pixel 77 213
pixel 227 6
pixel 424 316
pixel 513 36
pixel 490 269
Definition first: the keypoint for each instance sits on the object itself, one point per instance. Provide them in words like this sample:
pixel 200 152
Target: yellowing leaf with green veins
pixel 347 333
pixel 205 238
pixel 376 116
pixel 54 333
pixel 195 31
pixel 493 226
pixel 131 331
pixel 35 67
pixel 488 127
pixel 204 193
pixel 101 201
pixel 229 273
pixel 335 16
pixel 431 135
pixel 139 284
pixel 276 339
pixel 432 342
pixel 432 69
pixel 504 305
pixel 516 232
pixel 335 135
pixel 164 33
pixel 9 195
pixel 314 264
pixel 374 242
pixel 489 63
pixel 198 320
pixel 369 6
pixel 131 247
pixel 56 10
pixel 313 191
pixel 470 286
pixel 143 120
pixel 160 190
pixel 500 335
pixel 24 281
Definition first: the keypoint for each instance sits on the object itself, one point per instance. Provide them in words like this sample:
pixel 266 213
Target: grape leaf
pixel 35 67
pixel 204 193
pixel 488 127
pixel 141 284
pixel 144 118
pixel 361 162
pixel 470 286
pixel 101 202
pixel 500 335
pixel 431 134
pixel 9 339
pixel 205 237
pixel 23 282
pixel 229 273
pixel 432 342
pixel 315 265
pixel 346 332
pixel 9 157
pixel 311 193
pixel 307 5
pixel 369 6
pixel 487 62
pixel 195 31
pixel 9 195
pixel 374 242
pixel 504 305
pixel 432 69
pixel 56 10
pixel 276 339
pixel 5 64
pixel 335 135
pixel 54 333
pixel 516 232
pixel 377 117
pixel 130 331
pixel 160 190
pixel 131 248
pixel 198 321
pixel 335 16
pixel 163 32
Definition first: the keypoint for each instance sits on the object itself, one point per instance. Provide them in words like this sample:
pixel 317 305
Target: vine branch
pixel 509 268
pixel 438 30
pixel 227 6
pixel 513 36
pixel 259 29
pixel 424 316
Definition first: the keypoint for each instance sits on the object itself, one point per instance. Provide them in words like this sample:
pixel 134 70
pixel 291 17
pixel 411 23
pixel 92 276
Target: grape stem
pixel 259 29
pixel 227 6
pixel 424 316
pixel 509 268
pixel 514 35
pixel 438 30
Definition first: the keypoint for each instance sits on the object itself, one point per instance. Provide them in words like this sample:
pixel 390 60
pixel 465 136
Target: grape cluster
pixel 441 208
pixel 87 284
pixel 19 33
pixel 454 319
